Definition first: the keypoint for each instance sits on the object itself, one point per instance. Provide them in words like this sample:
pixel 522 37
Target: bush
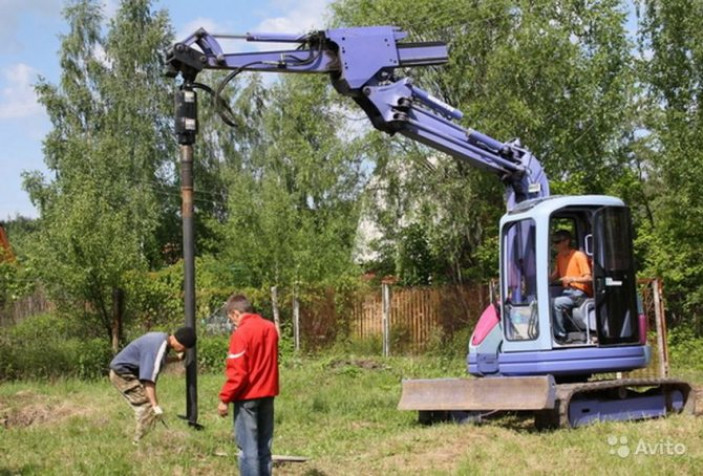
pixel 43 347
pixel 154 299
pixel 685 349
pixel 212 351
pixel 47 346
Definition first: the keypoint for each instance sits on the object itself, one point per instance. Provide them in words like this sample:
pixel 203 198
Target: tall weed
pixel 685 349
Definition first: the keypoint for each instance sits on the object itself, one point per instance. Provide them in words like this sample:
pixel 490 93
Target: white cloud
pixel 12 10
pixel 17 98
pixel 301 17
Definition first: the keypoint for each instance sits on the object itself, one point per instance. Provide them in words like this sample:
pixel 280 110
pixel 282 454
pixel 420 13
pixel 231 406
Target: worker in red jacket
pixel 252 384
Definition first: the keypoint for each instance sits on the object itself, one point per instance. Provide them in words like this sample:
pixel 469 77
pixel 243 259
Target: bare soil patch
pixel 25 409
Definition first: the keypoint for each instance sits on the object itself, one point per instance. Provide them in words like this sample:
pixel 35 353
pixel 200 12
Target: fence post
pixel 296 320
pixel 274 305
pixel 386 317
pixel 661 329
pixel 117 317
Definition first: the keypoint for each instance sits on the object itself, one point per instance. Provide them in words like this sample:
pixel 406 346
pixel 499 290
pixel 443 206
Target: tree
pixel 671 56
pixel 556 74
pixel 110 151
pixel 293 196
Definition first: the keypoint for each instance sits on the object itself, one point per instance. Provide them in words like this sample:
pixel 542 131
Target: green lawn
pixel 337 412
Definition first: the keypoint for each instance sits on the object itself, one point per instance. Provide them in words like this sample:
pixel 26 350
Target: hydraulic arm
pixel 362 63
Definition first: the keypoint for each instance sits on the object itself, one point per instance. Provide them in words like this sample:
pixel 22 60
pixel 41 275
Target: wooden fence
pixel 418 317
pixel 16 311
pixel 414 319
pixel 425 316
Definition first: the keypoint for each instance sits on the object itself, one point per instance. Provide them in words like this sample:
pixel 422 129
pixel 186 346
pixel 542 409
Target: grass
pixel 339 412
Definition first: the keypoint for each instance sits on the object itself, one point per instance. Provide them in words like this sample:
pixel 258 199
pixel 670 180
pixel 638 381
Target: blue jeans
pixel 562 305
pixel 253 427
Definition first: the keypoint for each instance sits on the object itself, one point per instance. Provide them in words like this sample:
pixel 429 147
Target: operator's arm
pixel 577 279
pixel 585 278
pixel 150 388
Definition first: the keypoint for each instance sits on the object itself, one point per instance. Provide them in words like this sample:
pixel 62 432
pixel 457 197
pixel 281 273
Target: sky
pixel 31 30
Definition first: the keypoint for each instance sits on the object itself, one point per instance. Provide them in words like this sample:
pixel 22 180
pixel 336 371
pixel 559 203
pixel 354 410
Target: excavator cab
pixel 608 315
pixel 515 336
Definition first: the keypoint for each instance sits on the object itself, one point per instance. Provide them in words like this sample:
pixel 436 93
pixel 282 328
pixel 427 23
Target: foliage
pixel 292 208
pixel 20 231
pixel 17 275
pixel 671 64
pixel 16 281
pixel 685 347
pixel 47 347
pixel 154 299
pixel 415 262
pixel 211 351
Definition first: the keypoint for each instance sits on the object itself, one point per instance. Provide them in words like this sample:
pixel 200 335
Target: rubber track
pixel 559 416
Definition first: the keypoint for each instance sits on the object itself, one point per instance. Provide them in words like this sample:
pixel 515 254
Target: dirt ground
pixel 25 408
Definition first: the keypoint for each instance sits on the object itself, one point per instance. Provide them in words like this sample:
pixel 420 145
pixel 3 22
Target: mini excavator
pixel 514 361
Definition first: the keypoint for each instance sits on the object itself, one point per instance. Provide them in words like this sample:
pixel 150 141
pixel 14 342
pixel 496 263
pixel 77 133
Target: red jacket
pixel 252 362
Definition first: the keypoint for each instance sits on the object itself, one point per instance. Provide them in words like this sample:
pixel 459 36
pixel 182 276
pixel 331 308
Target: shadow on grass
pixel 520 422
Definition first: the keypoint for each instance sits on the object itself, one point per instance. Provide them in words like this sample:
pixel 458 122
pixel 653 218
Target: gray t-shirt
pixel 143 357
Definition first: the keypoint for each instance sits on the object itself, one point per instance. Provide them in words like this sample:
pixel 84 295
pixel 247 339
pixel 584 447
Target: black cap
pixel 185 336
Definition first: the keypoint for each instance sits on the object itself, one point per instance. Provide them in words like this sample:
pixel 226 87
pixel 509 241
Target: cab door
pixel 614 277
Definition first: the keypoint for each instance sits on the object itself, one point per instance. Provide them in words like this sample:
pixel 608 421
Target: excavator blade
pixel 500 393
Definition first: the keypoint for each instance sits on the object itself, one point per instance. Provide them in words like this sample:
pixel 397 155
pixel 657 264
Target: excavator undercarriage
pixel 554 405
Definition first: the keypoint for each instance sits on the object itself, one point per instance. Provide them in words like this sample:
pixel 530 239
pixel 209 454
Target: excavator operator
pixel 573 272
